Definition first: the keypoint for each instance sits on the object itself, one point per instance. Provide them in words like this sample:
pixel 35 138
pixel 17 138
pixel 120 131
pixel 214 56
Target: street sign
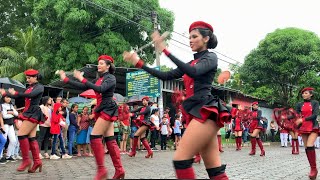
pixel 142 83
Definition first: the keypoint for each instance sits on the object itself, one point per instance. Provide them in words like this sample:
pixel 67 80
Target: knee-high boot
pixel 218 173
pixel 263 153
pixel 34 147
pixel 253 145
pixel 114 151
pixel 184 169
pixel 311 154
pixel 98 149
pixel 24 147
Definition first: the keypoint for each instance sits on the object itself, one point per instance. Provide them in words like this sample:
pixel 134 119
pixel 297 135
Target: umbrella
pixel 118 97
pixel 91 94
pixel 11 83
pixel 79 100
pixel 88 93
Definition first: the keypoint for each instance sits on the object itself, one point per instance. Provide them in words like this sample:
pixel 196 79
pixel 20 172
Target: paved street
pixel 278 164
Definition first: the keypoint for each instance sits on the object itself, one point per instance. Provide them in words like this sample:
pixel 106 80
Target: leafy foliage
pixel 15 61
pixel 75 33
pixel 284 62
pixel 15 15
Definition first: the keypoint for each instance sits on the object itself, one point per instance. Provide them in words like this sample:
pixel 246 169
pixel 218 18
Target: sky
pixel 238 24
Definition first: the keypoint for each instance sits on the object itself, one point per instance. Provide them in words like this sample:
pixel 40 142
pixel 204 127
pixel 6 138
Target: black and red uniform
pixel 285 119
pixel 32 113
pixel 237 126
pixel 308 111
pixel 32 97
pixel 200 104
pixel 143 114
pixel 143 120
pixel 106 109
pixel 256 123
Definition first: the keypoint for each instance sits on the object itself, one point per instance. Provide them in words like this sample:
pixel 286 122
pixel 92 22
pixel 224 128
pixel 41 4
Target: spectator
pixel 2 139
pixel 83 123
pixel 164 128
pixel 17 125
pixel 177 130
pixel 44 134
pixel 56 122
pixel 272 130
pixel 228 128
pixel 125 128
pixel 8 114
pixel 65 115
pixel 73 127
pixel 116 126
pixel 155 132
pixel 91 124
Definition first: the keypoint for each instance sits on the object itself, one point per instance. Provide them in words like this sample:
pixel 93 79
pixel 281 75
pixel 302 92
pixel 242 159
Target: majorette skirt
pixel 143 122
pixel 255 124
pixel 238 128
pixel 308 127
pixel 33 114
pixel 107 111
pixel 202 107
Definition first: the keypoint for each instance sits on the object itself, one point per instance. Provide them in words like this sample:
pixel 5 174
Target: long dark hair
pixel 73 106
pixel 112 68
pixel 44 100
pixel 213 41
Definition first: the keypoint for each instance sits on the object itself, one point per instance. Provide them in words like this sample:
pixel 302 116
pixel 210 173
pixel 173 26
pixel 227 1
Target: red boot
pixel 297 146
pixel 253 146
pixel 220 143
pixel 311 154
pixel 115 157
pixel 263 153
pixel 146 145
pixel 218 173
pixel 37 163
pixel 240 142
pixel 293 147
pixel 237 143
pixel 24 147
pixel 134 146
pixel 197 158
pixel 184 169
pixel 97 147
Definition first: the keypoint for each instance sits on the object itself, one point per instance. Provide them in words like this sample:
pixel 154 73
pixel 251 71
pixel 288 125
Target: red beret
pixel 307 89
pixel 31 72
pixel 105 57
pixel 200 24
pixel 256 102
pixel 146 98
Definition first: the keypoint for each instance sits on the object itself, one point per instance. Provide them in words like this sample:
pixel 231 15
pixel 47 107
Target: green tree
pixel 14 15
pixel 282 64
pixel 14 61
pixel 165 68
pixel 75 33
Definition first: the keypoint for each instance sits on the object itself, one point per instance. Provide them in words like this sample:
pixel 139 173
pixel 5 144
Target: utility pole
pixel 154 17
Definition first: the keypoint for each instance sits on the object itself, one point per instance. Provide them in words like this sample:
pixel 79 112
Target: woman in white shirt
pixel 8 114
pixel 44 134
pixel 155 133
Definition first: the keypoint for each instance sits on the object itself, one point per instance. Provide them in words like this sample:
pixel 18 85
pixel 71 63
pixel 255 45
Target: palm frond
pixel 19 77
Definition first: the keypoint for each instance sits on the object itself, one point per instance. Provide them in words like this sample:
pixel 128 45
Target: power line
pixel 92 4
